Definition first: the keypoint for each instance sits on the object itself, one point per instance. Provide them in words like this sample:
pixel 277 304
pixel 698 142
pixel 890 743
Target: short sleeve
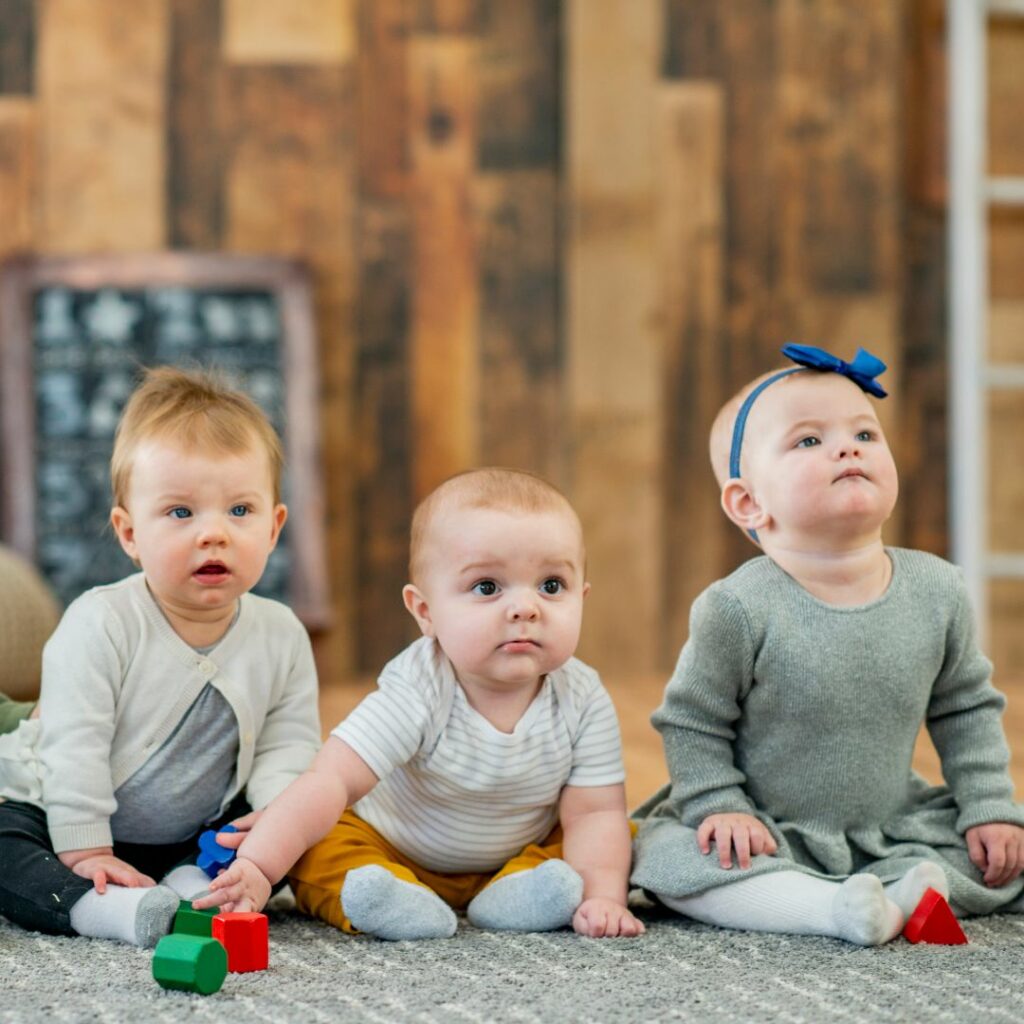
pixel 390 726
pixel 597 744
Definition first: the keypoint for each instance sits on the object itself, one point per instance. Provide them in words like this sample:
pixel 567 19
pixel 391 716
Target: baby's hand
pixel 243 825
pixel 100 866
pixel 742 831
pixel 997 849
pixel 241 888
pixel 600 918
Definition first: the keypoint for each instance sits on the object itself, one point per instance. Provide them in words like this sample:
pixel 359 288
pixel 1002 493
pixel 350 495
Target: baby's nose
pixel 212 532
pixel 523 608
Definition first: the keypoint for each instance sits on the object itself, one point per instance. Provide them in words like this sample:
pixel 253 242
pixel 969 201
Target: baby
pixel 790 722
pixel 172 701
pixel 485 772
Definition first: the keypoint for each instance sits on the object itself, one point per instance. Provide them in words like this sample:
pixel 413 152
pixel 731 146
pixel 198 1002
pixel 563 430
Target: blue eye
pixel 179 512
pixel 865 435
pixel 240 510
pixel 808 442
pixel 552 586
pixel 485 588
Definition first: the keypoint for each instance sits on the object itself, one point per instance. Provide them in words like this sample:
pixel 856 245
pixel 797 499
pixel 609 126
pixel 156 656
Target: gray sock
pixel 141 916
pixel 538 900
pixel 189 881
pixel 378 903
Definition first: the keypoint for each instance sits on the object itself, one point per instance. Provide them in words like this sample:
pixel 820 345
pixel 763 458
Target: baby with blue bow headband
pixel 791 718
pixel 732 420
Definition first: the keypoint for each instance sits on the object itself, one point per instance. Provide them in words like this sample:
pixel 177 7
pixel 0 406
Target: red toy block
pixel 932 921
pixel 245 937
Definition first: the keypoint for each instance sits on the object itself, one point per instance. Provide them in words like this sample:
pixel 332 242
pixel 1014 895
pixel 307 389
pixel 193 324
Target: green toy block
pixel 194 922
pixel 190 963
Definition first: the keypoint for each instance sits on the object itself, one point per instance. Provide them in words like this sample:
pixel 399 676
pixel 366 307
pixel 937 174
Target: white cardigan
pixel 117 680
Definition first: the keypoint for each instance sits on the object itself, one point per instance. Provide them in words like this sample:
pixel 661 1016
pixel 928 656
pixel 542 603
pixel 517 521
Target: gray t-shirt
pixel 200 755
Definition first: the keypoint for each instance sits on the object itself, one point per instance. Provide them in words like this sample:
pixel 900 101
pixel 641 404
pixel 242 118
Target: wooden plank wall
pixel 1005 87
pixel 553 234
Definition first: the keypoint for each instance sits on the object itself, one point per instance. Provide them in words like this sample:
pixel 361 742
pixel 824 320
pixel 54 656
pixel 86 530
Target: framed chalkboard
pixel 75 333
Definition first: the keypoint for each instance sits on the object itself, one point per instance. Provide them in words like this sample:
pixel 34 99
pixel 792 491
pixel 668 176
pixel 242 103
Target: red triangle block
pixel 932 921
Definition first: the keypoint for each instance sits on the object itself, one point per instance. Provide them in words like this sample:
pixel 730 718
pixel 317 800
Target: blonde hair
pixel 197 410
pixel 491 487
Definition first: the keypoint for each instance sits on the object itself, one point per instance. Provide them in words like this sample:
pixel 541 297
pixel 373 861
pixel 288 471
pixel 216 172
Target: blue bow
pixel 862 371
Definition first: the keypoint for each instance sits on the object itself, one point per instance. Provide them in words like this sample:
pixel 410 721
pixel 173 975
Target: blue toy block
pixel 213 856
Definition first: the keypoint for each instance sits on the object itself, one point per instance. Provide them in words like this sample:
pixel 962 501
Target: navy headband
pixel 862 371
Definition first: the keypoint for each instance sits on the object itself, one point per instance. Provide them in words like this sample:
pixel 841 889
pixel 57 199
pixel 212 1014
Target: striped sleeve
pixel 389 726
pixel 597 744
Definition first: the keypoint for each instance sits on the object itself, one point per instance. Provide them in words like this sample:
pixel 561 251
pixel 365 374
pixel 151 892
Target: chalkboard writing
pixel 83 345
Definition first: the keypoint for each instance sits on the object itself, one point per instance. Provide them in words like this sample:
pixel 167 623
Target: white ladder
pixel 972 194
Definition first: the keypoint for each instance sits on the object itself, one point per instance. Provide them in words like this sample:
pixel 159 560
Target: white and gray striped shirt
pixel 455 793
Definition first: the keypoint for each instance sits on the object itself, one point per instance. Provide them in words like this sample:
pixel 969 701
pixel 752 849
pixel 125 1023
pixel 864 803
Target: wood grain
pixel 452 17
pixel 443 356
pixel 924 480
pixel 1005 498
pixel 384 429
pixel 520 93
pixel 297 32
pixel 613 343
pixel 1005 87
pixel 384 498
pixel 382 67
pixel 195 128
pixel 101 79
pixel 521 418
pixel 1006 330
pixel 18 174
pixel 690 148
pixel 17 47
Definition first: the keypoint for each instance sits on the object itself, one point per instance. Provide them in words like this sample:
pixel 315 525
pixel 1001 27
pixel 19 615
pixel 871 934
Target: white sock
pixel 797 904
pixel 906 893
pixel 141 916
pixel 187 880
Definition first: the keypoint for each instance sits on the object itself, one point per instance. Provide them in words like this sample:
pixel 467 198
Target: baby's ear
pixel 121 522
pixel 741 506
pixel 418 608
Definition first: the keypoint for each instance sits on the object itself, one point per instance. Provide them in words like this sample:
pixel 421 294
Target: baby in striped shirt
pixel 485 772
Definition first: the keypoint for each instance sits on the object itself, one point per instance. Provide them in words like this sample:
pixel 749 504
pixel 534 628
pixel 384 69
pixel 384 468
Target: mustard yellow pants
pixel 318 877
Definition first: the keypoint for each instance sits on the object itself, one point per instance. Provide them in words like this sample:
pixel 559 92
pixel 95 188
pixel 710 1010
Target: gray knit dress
pixel 805 715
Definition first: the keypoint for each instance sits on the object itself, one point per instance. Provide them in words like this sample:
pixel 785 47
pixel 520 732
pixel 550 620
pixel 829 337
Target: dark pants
pixel 38 892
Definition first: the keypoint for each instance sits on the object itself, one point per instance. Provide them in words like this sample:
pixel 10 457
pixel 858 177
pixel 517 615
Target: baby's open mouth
pixel 212 569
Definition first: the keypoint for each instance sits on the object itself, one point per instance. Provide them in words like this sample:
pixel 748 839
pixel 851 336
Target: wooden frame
pixel 286 280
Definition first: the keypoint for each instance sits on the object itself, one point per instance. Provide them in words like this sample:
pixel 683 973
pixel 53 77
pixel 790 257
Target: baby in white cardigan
pixel 172 701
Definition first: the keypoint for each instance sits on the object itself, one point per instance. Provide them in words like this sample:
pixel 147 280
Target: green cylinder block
pixel 190 963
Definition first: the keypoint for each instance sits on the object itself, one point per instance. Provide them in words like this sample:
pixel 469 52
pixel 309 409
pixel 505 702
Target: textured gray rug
pixel 679 971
